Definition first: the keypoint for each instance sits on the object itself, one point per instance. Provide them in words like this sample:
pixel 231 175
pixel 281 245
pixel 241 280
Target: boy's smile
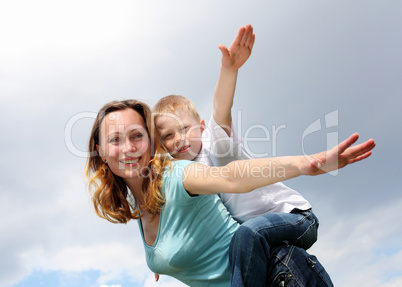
pixel 184 149
pixel 180 133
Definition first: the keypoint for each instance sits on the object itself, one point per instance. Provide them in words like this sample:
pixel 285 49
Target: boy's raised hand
pixel 232 59
pixel 240 49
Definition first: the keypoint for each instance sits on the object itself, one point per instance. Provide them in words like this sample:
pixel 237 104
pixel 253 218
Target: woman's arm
pixel 247 175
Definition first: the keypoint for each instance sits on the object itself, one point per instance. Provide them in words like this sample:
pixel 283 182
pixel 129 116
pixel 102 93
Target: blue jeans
pixel 250 248
pixel 292 266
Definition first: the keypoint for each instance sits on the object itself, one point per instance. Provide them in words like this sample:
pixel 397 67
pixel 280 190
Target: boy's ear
pixel 202 125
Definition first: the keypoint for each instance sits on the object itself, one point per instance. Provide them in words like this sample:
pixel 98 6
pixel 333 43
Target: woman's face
pixel 124 143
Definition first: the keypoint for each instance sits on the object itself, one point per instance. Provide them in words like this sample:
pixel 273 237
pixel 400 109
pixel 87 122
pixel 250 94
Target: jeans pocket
pixel 285 280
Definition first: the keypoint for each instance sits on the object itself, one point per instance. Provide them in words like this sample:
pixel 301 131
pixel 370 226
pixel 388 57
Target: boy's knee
pixel 244 232
pixel 251 227
pixel 249 234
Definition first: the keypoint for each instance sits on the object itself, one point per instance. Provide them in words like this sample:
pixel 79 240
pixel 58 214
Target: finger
pixel 347 143
pixel 224 50
pixel 239 36
pixel 250 41
pixel 250 35
pixel 360 149
pixel 359 158
pixel 365 147
pixel 247 32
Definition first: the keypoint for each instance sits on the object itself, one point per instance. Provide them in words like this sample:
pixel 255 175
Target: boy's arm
pixel 232 59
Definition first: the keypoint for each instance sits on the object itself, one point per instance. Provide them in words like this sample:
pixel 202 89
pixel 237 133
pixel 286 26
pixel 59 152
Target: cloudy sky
pixel 319 71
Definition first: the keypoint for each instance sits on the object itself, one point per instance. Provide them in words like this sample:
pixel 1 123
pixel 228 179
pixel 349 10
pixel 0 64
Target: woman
pixel 185 228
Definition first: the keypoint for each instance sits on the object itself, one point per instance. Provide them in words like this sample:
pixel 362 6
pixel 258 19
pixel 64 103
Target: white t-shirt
pixel 218 149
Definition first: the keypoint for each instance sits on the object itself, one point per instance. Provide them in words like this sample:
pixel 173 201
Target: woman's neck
pixel 135 186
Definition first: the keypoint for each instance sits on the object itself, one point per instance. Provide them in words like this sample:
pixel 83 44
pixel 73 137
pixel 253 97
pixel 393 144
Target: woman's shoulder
pixel 177 165
pixel 175 170
pixel 172 182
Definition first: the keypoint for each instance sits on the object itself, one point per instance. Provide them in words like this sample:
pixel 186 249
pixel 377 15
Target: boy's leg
pixel 293 267
pixel 250 246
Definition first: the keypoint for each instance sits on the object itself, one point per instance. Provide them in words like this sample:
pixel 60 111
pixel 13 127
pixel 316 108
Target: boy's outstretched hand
pixel 337 157
pixel 240 49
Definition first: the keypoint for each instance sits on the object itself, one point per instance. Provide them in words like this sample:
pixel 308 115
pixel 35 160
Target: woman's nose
pixel 130 146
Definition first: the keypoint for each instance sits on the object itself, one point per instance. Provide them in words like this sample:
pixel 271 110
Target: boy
pixel 285 213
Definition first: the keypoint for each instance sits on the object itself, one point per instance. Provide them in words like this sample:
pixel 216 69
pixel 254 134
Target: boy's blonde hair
pixel 171 103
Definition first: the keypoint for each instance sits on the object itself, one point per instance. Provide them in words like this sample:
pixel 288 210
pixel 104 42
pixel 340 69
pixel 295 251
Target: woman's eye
pixel 113 140
pixel 138 136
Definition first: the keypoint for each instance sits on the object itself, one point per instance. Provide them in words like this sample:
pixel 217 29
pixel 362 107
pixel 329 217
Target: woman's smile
pixel 131 161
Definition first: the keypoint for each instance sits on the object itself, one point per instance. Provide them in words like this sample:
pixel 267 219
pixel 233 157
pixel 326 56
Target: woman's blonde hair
pixel 109 192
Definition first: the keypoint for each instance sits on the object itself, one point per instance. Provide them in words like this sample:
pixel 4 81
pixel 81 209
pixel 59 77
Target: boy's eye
pixel 167 136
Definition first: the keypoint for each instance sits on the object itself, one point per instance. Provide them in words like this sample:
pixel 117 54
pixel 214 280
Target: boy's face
pixel 180 133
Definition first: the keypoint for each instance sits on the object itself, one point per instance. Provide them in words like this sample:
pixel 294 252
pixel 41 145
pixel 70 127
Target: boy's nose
pixel 179 137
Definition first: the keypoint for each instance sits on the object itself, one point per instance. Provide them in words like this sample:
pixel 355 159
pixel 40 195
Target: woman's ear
pixel 100 153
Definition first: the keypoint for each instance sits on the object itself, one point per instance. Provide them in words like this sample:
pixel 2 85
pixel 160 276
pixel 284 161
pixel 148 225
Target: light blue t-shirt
pixel 194 234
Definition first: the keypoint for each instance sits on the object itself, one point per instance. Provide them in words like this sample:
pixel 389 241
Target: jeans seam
pixel 249 255
pixel 312 262
pixel 286 263
pixel 304 218
pixel 313 223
